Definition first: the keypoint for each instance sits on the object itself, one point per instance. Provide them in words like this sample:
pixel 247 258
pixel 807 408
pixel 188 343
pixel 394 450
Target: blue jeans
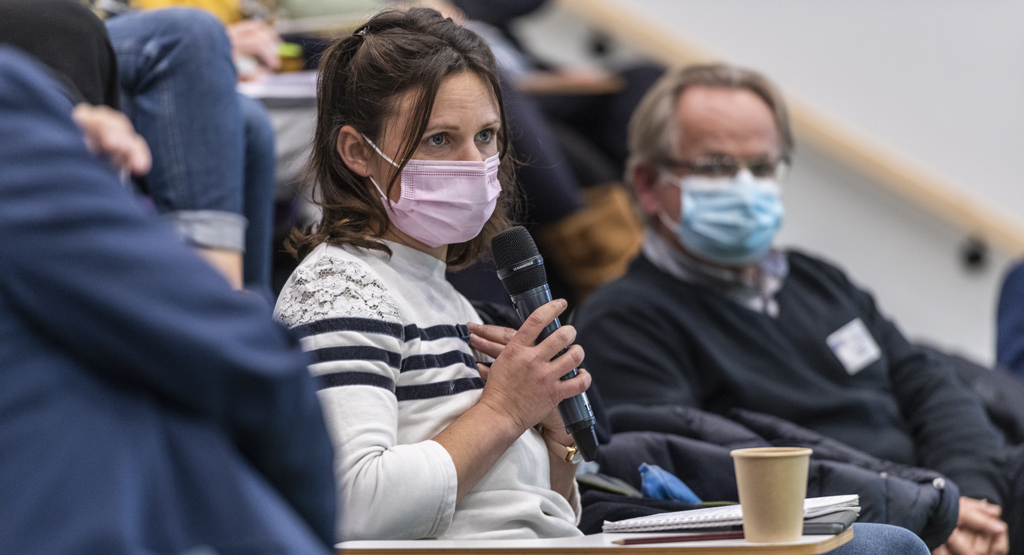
pixel 213 150
pixel 258 201
pixel 872 539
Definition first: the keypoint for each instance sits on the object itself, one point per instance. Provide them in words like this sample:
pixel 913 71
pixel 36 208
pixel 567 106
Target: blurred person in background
pixel 712 316
pixel 213 148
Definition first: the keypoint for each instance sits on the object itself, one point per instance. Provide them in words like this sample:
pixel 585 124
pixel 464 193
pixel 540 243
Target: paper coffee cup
pixel 772 483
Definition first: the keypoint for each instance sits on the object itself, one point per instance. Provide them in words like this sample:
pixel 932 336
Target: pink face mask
pixel 443 202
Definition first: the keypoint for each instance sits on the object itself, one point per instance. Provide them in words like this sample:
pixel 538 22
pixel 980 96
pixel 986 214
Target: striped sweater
pixel 391 355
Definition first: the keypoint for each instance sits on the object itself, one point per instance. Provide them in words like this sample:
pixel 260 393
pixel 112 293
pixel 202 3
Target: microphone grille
pixel 510 247
pixel 513 245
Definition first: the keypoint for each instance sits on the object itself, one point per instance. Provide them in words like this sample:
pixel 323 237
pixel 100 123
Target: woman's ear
pixel 352 149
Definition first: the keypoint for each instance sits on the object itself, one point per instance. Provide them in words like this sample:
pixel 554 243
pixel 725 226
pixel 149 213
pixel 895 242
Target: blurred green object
pixel 291 57
pixel 289 50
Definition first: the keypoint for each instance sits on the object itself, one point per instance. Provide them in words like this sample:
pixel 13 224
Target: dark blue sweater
pixel 144 406
pixel 655 340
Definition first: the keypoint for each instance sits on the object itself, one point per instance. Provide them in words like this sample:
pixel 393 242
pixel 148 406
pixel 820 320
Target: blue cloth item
pixel 146 407
pixel 1010 322
pixel 658 483
pixel 258 197
pixel 213 149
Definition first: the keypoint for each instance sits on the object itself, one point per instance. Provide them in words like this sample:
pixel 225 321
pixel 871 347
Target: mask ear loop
pixel 668 178
pixel 666 221
pixel 375 186
pixel 378 151
pixel 390 161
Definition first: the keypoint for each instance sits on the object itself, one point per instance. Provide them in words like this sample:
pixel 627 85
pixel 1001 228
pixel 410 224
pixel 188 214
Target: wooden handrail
pixel 908 178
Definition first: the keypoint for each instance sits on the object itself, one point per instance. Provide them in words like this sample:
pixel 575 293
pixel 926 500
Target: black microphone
pixel 521 270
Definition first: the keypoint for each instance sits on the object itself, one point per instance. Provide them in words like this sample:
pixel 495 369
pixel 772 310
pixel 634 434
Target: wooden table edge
pixel 817 548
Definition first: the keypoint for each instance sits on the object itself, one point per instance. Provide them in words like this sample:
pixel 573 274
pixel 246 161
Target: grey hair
pixel 652 128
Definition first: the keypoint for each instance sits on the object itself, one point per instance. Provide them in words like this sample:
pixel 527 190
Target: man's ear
pixel 645 185
pixel 352 149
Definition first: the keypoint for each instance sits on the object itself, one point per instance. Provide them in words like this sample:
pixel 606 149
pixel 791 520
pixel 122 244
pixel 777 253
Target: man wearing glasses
pixel 710 316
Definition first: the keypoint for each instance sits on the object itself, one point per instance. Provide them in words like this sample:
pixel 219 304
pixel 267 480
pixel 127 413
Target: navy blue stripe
pixel 438 389
pixel 423 362
pixel 433 333
pixel 365 325
pixel 360 352
pixel 338 379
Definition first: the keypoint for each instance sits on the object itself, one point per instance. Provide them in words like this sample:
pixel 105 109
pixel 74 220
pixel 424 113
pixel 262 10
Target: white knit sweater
pixel 394 366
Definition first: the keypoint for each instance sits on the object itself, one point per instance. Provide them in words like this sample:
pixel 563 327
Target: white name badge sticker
pixel 853 346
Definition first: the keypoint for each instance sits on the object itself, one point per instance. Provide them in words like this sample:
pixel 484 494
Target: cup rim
pixel 771 452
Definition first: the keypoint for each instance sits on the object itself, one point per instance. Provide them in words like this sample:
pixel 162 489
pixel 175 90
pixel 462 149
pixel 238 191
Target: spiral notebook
pixel 724 516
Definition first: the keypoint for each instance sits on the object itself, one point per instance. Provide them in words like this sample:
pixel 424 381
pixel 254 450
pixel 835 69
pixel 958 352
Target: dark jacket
pixel 144 406
pixel 694 445
pixel 653 339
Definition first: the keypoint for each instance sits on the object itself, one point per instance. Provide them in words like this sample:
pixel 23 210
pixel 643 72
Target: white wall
pixel 936 80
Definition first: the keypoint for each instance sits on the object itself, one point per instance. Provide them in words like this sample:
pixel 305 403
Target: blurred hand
pixel 979 531
pixel 523 382
pixel 110 134
pixel 255 41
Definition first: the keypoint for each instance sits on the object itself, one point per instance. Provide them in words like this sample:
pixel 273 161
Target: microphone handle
pixel 577 416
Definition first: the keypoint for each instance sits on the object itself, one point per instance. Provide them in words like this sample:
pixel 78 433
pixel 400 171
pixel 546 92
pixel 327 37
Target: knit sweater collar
pixel 755 292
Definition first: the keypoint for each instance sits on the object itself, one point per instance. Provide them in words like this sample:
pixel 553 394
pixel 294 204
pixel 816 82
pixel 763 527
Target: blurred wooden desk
pixel 808 545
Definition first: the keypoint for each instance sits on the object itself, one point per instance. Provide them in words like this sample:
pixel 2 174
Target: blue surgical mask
pixel 727 220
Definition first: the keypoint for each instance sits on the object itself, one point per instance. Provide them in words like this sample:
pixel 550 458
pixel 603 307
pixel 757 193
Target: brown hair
pixel 652 131
pixel 362 79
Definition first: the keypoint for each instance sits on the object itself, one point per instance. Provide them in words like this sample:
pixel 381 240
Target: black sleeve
pixel 951 431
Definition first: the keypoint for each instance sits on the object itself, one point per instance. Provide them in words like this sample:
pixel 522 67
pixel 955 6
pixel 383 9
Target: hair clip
pixel 361 32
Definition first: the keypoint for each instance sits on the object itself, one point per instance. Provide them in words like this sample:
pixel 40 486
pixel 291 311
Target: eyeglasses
pixel 727 166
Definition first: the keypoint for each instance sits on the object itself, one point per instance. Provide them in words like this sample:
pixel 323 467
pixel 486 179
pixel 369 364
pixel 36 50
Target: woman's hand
pixel 491 340
pixel 522 388
pixel 110 134
pixel 523 382
pixel 494 341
